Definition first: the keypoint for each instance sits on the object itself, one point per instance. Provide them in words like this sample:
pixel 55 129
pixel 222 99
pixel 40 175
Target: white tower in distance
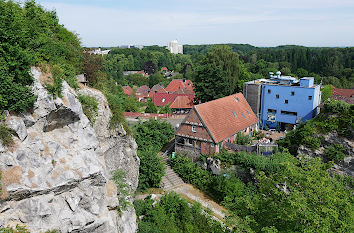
pixel 174 47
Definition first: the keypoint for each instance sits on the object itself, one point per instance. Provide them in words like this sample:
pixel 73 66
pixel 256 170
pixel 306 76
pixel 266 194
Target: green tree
pixel 155 79
pixel 217 74
pixel 151 108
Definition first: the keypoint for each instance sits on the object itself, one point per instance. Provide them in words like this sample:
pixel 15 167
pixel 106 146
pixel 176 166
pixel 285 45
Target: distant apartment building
pixel 174 47
pixel 283 101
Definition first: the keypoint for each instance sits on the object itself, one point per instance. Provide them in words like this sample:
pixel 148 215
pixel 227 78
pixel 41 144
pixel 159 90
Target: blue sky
pixel 256 22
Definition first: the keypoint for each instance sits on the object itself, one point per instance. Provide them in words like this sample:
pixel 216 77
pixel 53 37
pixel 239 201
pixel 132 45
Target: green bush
pixel 335 152
pixel 151 169
pixel 30 36
pixel 242 139
pixel 151 108
pixel 118 176
pixel 89 106
pixel 173 214
pixel 5 135
pixel 55 88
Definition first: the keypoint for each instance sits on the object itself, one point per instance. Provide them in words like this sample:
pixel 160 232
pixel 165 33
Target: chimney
pixel 184 80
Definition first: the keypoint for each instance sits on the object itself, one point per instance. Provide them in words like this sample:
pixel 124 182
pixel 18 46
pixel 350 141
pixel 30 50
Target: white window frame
pixel 194 128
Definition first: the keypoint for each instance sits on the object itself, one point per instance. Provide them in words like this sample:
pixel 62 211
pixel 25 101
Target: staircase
pixel 170 180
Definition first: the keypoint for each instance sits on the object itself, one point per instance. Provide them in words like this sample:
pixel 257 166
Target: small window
pixel 194 129
pixel 288 113
pixel 163 100
pixel 292 93
pixel 211 144
pixel 269 91
pixel 243 115
pixel 272 110
pixel 248 112
pixel 190 141
pixel 310 97
pixel 237 99
pixel 286 101
pixel 277 96
pixel 235 115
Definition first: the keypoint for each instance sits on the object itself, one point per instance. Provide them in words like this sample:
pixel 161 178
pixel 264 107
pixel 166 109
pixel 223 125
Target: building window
pixel 211 144
pixel 286 101
pixel 243 115
pixel 288 113
pixel 269 91
pixel 190 141
pixel 248 112
pixel 237 99
pixel 310 97
pixel 292 93
pixel 194 129
pixel 277 96
pixel 272 110
pixel 163 100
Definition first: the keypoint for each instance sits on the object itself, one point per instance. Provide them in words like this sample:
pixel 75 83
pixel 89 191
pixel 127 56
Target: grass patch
pixel 89 106
pixel 5 135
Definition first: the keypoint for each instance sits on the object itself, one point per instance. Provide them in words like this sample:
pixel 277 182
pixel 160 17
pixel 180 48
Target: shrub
pixel 242 139
pixel 33 36
pixel 89 106
pixel 55 88
pixel 151 169
pixel 151 108
pixel 18 229
pixel 335 152
pixel 118 177
pixel 5 135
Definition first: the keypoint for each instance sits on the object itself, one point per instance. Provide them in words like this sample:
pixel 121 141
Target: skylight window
pixel 248 112
pixel 163 100
pixel 243 115
pixel 237 99
pixel 235 115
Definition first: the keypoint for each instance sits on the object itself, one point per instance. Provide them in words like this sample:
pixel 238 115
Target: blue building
pixel 283 101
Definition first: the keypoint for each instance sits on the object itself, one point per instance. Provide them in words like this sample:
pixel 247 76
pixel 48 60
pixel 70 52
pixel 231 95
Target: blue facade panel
pixel 288 104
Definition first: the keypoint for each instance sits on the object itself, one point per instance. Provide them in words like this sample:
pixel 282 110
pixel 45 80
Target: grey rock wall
pixel 57 174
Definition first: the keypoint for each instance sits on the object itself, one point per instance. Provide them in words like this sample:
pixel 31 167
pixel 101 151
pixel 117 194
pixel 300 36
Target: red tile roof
pixel 226 116
pixel 177 84
pixel 343 92
pixel 182 102
pixel 143 90
pixel 184 91
pixel 127 90
pixel 162 99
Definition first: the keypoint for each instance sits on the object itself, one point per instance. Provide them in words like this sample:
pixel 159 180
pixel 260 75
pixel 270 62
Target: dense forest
pixel 330 65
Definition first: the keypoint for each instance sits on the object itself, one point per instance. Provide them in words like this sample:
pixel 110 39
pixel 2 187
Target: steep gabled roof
pixel 158 88
pixel 226 116
pixel 143 90
pixel 127 90
pixel 182 102
pixel 177 84
pixel 184 91
pixel 343 92
pixel 162 99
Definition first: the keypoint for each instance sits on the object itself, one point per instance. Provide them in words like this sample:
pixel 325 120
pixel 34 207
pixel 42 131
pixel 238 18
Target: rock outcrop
pixel 344 167
pixel 57 173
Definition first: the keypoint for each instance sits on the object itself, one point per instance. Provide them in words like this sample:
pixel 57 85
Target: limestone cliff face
pixel 57 174
pixel 344 167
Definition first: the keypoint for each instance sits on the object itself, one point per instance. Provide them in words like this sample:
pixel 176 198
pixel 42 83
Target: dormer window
pixel 235 115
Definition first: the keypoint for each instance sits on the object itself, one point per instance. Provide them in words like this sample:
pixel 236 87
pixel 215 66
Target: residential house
pixel 127 90
pixel 283 101
pixel 163 99
pixel 210 125
pixel 129 72
pixel 177 84
pixel 346 95
pixel 182 104
pixel 158 88
pixel 142 93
